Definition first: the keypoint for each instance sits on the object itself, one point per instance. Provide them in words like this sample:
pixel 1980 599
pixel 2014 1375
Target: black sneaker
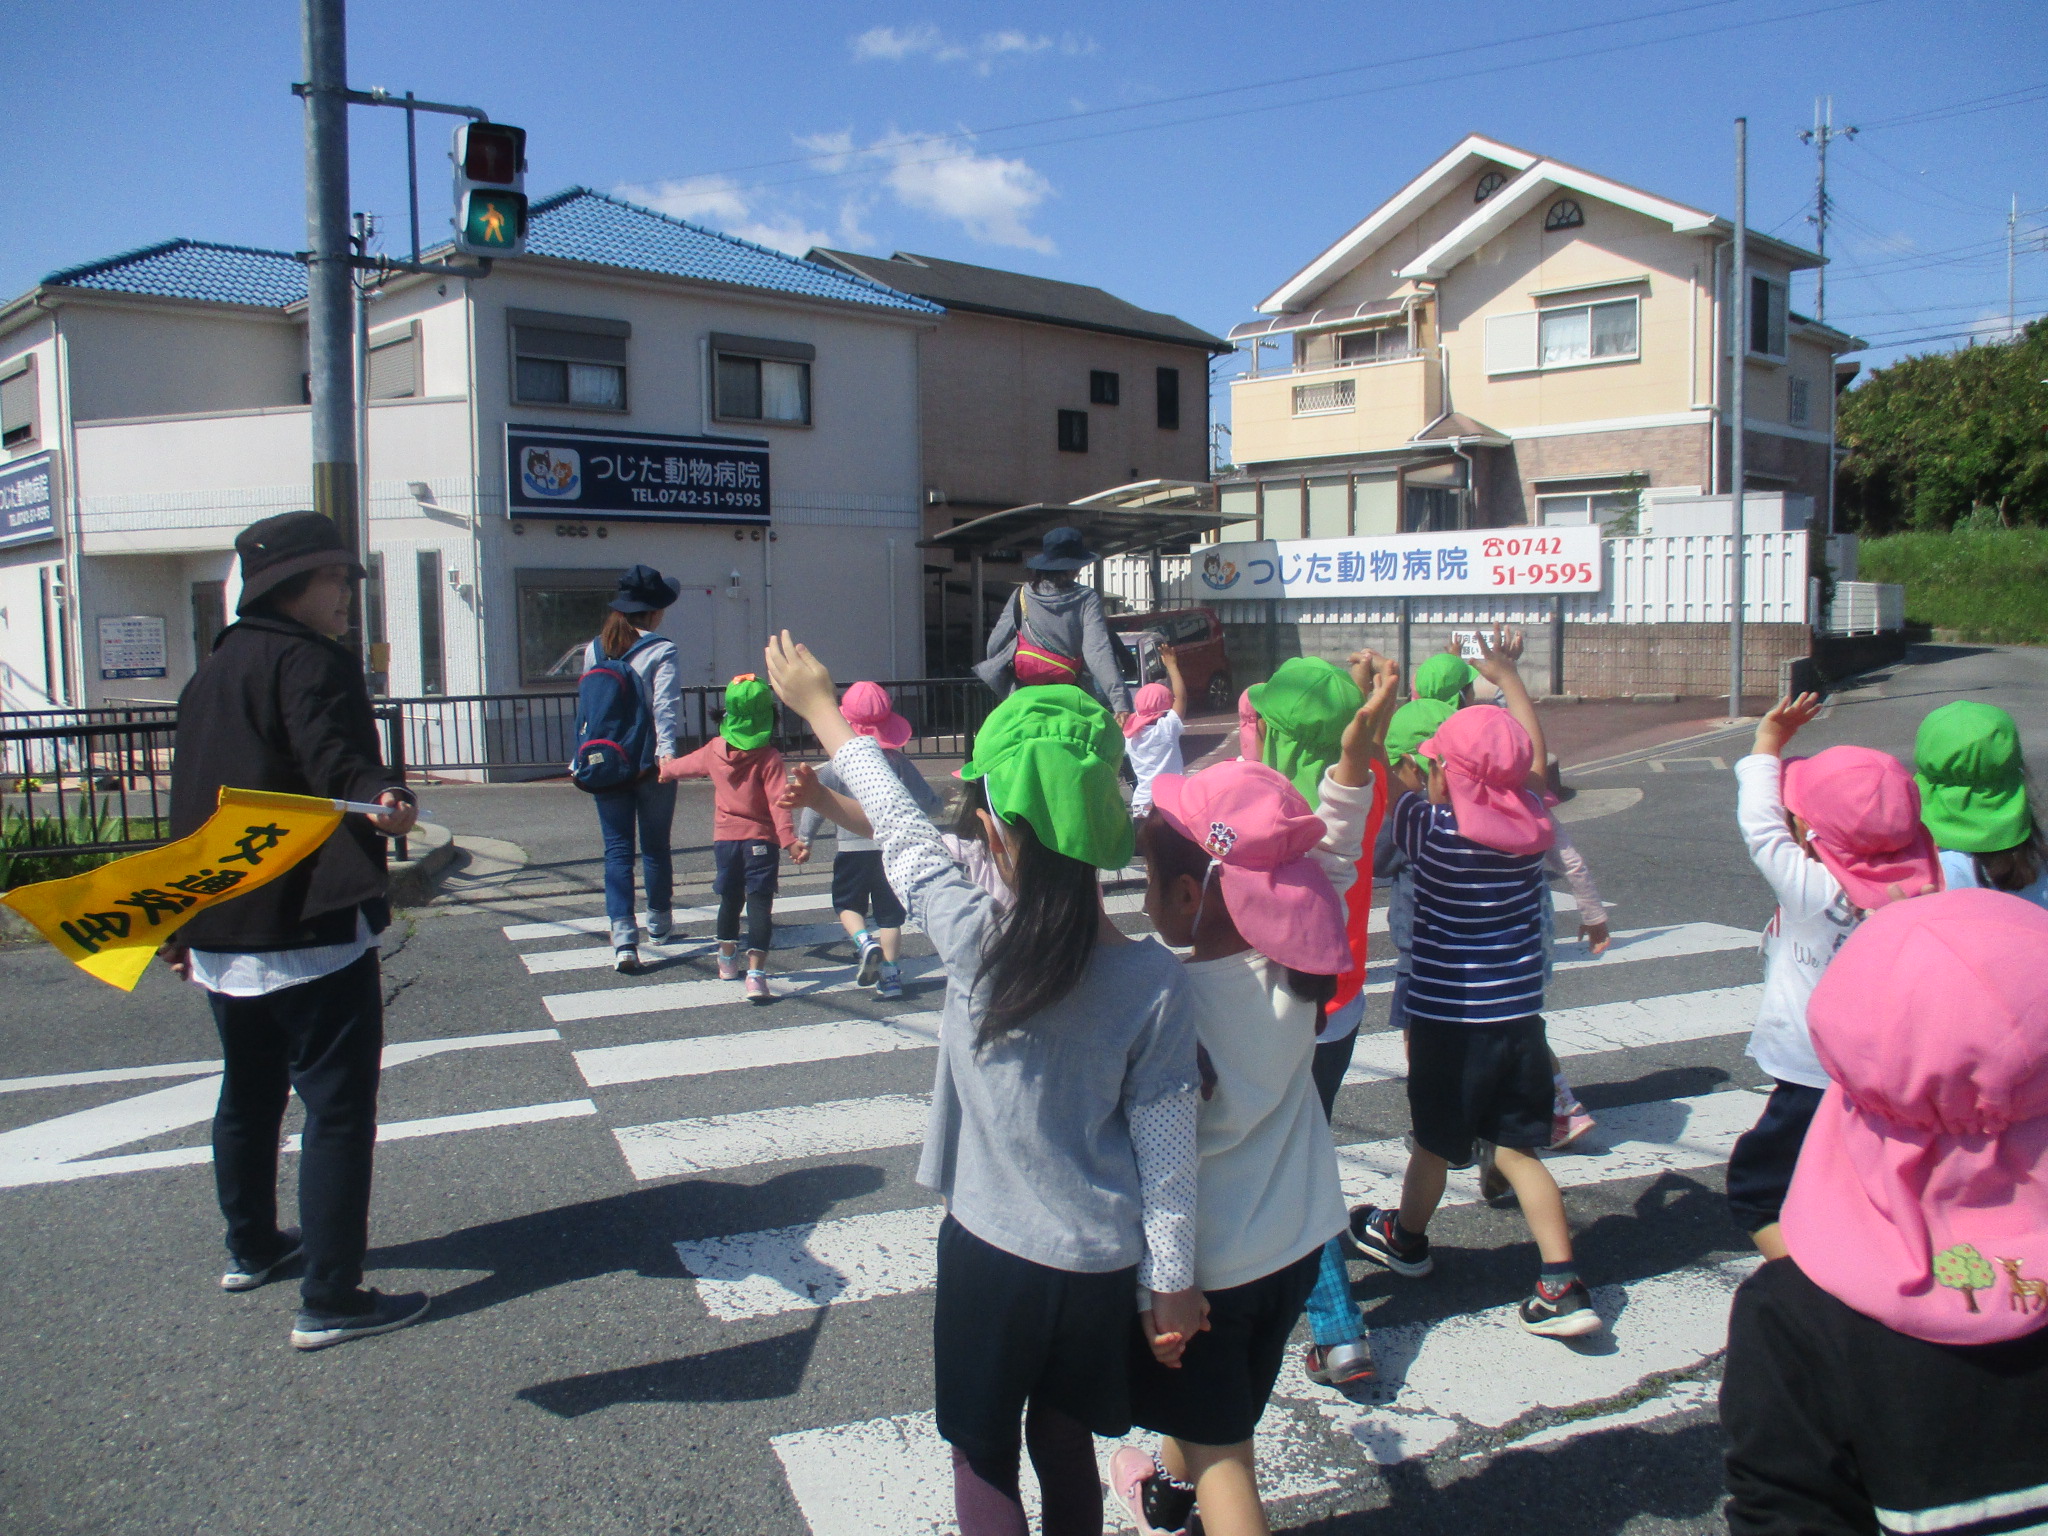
pixel 245 1275
pixel 870 964
pixel 1566 1316
pixel 1372 1234
pixel 385 1314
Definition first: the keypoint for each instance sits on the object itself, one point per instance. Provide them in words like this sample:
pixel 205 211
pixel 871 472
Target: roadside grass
pixel 1984 584
pixel 21 830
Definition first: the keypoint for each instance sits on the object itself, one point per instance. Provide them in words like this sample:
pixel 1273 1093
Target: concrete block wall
pixel 1601 661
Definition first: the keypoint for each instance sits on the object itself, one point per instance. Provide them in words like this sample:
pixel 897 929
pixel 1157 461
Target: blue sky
pixel 886 124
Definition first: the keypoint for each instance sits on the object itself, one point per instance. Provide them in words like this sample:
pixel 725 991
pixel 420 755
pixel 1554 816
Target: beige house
pixel 1512 340
pixel 1033 390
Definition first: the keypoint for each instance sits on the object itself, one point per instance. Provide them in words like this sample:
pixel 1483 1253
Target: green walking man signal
pixel 490 189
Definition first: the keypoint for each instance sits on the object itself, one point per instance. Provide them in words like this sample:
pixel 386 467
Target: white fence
pixel 1675 580
pixel 1867 608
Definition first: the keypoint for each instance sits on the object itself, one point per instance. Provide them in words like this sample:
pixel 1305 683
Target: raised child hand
pixel 1783 723
pixel 1497 658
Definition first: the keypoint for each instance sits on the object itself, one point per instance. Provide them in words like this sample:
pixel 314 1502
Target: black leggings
pixel 985 1494
pixel 760 907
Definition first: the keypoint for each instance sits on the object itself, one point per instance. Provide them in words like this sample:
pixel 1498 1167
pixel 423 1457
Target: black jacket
pixel 280 707
pixel 1834 1419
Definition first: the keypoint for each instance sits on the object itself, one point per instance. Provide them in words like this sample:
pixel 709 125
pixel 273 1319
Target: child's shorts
pixel 751 863
pixel 1006 1331
pixel 857 879
pixel 1483 1082
pixel 1227 1373
pixel 1760 1167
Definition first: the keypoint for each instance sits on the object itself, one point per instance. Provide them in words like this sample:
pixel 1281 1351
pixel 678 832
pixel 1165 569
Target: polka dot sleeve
pixel 1163 1139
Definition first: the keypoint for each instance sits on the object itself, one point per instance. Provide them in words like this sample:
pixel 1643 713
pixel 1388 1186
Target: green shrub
pixel 87 823
pixel 1987 584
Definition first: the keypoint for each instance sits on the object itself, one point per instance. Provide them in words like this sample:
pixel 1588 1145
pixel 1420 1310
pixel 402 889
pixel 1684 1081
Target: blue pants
pixel 1332 1314
pixel 650 807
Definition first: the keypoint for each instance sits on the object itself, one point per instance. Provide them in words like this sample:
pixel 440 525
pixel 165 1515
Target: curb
pixel 413 880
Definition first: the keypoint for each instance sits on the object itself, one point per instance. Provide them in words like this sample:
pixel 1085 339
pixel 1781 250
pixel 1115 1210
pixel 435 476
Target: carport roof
pixel 1107 529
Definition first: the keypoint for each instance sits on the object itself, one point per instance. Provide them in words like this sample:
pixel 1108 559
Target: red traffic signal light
pixel 494 153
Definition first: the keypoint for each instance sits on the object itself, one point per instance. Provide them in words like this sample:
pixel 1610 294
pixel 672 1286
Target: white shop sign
pixel 132 646
pixel 1496 561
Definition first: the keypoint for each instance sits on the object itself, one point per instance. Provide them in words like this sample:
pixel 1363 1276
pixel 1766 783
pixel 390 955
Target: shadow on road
pixel 635 1231
pixel 740 1373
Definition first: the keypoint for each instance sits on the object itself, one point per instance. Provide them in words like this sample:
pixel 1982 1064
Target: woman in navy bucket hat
pixel 646 807
pixel 1052 629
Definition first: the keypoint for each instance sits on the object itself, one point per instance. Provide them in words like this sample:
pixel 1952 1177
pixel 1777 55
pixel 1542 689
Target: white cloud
pixel 782 232
pixel 707 199
pixel 989 196
pixel 895 44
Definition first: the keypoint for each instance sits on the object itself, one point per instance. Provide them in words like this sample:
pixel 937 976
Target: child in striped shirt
pixel 1479 1067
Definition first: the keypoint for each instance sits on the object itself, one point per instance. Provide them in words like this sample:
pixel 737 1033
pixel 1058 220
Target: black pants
pixel 325 1038
pixel 1331 1061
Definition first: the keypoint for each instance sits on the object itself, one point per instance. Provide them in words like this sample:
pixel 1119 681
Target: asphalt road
pixel 581 1372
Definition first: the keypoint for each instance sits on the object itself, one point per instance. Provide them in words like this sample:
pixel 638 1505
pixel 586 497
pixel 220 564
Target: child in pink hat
pixel 1891 1374
pixel 1835 835
pixel 858 883
pixel 1152 731
pixel 1479 1063
pixel 1243 870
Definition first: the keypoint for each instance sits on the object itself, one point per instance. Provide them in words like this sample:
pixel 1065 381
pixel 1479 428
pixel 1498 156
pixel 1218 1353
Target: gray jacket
pixel 811 823
pixel 1069 621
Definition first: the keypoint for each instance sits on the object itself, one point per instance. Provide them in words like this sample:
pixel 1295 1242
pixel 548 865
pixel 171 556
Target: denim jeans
pixel 650 807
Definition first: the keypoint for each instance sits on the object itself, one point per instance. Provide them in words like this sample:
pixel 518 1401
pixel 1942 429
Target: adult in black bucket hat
pixel 291 969
pixel 1052 630
pixel 643 589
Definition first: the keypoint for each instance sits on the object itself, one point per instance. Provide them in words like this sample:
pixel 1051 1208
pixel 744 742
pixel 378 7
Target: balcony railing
pixel 1326 397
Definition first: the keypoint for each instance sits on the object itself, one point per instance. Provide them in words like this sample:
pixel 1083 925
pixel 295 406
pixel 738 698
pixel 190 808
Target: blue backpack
pixel 614 729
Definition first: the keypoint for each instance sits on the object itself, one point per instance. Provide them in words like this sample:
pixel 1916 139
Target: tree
pixel 1963 1268
pixel 1948 436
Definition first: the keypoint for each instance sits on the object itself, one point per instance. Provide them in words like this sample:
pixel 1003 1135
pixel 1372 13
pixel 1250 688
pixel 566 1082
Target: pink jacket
pixel 744 789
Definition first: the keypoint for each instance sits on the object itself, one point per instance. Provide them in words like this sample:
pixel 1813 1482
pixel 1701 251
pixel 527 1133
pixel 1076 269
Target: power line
pixel 1306 101
pixel 1975 104
pixel 1912 341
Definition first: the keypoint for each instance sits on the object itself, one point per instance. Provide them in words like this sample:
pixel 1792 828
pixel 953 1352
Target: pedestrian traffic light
pixel 490 189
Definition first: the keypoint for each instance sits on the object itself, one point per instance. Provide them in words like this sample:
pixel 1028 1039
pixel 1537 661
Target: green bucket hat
pixel 749 714
pixel 1305 704
pixel 1050 755
pixel 1413 724
pixel 1443 676
pixel 1973 785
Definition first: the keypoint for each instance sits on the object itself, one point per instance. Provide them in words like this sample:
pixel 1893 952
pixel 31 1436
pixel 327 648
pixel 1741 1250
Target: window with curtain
pixel 573 360
pixel 1767 316
pixel 18 403
pixel 1587 333
pixel 1104 387
pixel 1073 432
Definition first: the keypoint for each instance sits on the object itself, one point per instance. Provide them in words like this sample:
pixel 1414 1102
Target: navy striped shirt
pixel 1477 954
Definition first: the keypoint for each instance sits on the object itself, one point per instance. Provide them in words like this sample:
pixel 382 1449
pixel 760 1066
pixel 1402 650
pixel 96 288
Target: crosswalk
pixel 829 1075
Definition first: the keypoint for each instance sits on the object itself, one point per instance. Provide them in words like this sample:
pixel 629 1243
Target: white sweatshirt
pixel 1813 920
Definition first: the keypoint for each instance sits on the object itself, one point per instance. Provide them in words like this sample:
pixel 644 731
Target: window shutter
pixel 18 406
pixel 394 370
pixel 1511 342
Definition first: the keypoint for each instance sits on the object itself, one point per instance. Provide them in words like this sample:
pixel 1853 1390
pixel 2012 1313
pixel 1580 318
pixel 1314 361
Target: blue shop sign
pixel 27 501
pixel 645 477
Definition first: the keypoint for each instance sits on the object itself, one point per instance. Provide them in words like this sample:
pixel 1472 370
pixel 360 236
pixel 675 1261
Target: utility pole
pixel 2012 225
pixel 1739 348
pixel 330 293
pixel 1819 136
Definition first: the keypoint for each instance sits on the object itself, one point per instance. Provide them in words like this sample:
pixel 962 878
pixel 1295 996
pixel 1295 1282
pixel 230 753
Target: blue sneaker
pixel 889 981
pixel 385 1314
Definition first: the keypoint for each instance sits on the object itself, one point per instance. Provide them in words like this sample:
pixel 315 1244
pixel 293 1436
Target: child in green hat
pixel 749 826
pixel 1062 1129
pixel 1974 798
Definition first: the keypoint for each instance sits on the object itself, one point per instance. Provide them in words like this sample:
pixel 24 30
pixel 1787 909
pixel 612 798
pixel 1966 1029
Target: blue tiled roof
pixel 582 225
pixel 576 225
pixel 195 269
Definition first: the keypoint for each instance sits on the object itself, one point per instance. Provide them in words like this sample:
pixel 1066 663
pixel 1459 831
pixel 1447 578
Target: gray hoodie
pixel 1068 620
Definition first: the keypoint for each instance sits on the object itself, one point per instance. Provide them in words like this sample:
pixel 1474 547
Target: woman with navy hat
pixel 646 806
pixel 1052 629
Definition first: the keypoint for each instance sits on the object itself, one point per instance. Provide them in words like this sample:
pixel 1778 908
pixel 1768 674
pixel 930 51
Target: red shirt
pixel 744 789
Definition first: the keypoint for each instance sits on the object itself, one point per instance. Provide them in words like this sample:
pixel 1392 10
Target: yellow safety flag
pixel 109 921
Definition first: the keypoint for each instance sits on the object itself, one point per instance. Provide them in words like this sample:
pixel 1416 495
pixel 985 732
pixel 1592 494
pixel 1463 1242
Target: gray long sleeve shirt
pixel 810 823
pixel 1070 621
pixel 1070 1143
pixel 653 660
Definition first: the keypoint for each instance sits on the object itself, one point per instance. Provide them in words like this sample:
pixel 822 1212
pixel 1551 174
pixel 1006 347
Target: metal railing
pixel 74 784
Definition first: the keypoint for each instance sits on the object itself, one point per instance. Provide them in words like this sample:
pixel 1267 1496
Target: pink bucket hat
pixel 871 712
pixel 1257 827
pixel 1921 1197
pixel 1486 757
pixel 1147 705
pixel 1864 809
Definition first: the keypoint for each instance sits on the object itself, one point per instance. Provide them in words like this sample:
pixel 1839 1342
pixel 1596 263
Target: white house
pixel 741 419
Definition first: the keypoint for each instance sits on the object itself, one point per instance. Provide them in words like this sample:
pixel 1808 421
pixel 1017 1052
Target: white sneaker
pixel 626 958
pixel 659 926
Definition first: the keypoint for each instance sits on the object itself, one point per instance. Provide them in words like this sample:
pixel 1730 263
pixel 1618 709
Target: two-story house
pixel 1512 340
pixel 632 389
pixel 1034 390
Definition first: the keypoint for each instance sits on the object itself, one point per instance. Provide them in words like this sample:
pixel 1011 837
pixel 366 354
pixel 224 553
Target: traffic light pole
pixel 330 306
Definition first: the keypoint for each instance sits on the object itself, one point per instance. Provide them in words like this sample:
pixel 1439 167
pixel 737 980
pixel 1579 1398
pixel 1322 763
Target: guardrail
pixel 82 785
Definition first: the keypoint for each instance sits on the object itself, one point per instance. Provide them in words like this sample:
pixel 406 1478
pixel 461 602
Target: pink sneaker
pixel 1135 1482
pixel 1566 1129
pixel 757 988
pixel 728 966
